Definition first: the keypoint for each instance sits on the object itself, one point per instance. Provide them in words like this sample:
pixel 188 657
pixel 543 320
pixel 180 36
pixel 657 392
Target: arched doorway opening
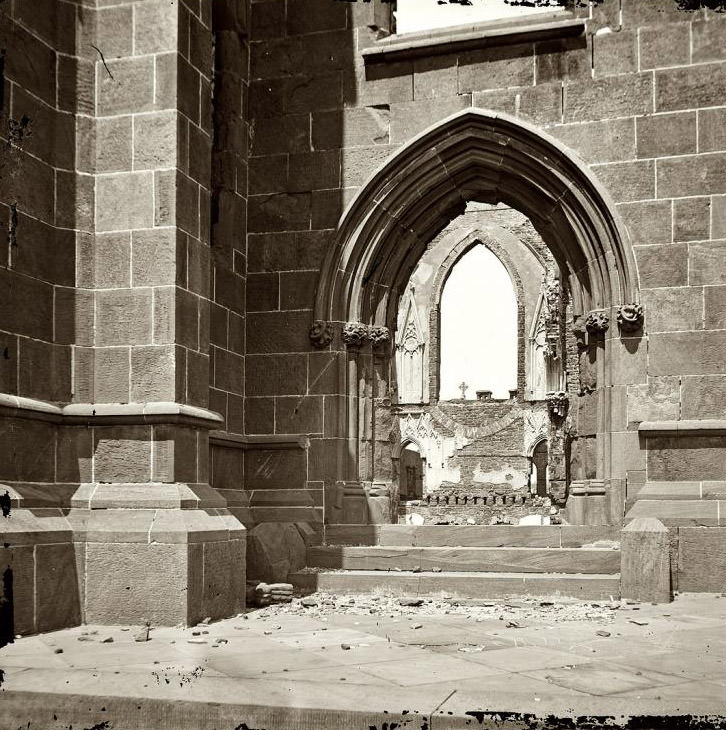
pixel 491 158
pixel 411 476
pixel 539 478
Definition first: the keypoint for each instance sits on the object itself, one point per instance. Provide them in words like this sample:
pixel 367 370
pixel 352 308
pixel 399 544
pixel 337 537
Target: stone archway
pixel 475 155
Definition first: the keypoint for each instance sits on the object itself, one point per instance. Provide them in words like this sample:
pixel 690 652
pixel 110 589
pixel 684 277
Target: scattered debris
pixel 143 635
pixel 602 633
pixel 58 651
pixel 514 625
pixel 345 647
pixel 638 623
pixel 413 602
pixel 107 640
pixel 309 602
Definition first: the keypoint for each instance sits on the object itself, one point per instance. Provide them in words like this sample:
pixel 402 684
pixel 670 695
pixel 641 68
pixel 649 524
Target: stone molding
pixel 439 42
pixel 630 317
pixel 597 321
pixel 258 442
pixel 705 427
pixel 321 333
pixel 109 414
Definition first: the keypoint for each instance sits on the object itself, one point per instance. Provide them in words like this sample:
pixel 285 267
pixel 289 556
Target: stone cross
pixel 463 388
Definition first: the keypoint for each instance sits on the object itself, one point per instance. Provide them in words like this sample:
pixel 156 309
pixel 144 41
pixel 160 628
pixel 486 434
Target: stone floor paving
pixel 363 661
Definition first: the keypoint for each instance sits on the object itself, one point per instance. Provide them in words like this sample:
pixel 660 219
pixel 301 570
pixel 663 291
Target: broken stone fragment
pixel 309 602
pixel 205 622
pixel 107 640
pixel 345 647
pixel 414 602
pixel 602 633
pixel 143 635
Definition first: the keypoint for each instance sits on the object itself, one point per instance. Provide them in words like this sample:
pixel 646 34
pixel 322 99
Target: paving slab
pixel 365 661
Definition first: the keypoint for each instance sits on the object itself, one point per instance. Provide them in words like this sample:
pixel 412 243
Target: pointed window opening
pixel 478 329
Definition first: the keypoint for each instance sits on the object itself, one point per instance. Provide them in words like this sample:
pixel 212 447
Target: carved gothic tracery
pixel 321 333
pixel 630 317
pixel 597 322
pixel 410 345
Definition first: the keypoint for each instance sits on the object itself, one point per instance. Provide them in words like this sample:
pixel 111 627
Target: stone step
pixel 681 512
pixel 554 536
pixel 682 490
pixel 461 584
pixel 467 559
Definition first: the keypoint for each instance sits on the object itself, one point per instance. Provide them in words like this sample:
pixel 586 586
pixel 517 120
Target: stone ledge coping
pixel 259 441
pixel 705 427
pixel 468 37
pixel 102 414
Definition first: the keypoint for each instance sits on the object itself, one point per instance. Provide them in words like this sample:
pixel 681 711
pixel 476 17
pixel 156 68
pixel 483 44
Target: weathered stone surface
pixel 701 559
pixel 645 561
pixel 274 550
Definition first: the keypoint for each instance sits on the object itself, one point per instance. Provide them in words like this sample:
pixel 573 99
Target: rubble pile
pixel 265 594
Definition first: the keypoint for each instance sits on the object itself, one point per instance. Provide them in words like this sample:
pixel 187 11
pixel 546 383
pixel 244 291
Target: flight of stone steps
pixel 466 561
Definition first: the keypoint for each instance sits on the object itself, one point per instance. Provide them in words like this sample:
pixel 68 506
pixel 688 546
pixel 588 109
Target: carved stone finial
pixel 630 317
pixel 355 334
pixel 557 403
pixel 379 335
pixel 597 322
pixel 321 333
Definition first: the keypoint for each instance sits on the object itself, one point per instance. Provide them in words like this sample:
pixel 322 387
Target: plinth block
pixel 645 561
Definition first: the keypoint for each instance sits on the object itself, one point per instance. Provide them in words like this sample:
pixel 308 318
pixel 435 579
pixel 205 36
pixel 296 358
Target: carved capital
pixel 321 333
pixel 355 334
pixel 557 403
pixel 379 335
pixel 597 322
pixel 630 317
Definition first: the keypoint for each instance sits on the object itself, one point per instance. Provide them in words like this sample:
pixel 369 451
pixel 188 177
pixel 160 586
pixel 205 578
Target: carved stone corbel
pixel 321 333
pixel 355 334
pixel 630 317
pixel 597 322
pixel 557 403
pixel 379 335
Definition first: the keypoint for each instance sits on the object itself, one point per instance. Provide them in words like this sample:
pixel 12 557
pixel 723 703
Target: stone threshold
pixel 109 414
pixel 699 427
pixel 470 37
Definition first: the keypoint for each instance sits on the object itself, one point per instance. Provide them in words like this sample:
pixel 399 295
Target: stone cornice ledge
pixel 705 427
pixel 469 37
pixel 259 441
pixel 110 414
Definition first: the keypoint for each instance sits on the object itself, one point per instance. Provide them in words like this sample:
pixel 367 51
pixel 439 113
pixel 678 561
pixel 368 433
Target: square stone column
pixel 153 540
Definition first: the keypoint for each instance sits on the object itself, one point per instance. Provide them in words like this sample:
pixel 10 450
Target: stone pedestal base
pixel 178 556
pixel 645 561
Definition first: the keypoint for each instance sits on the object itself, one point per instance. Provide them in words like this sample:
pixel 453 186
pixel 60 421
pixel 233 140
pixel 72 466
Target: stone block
pixel 155 140
pixel 44 370
pixel 299 414
pixel 112 260
pixel 186 319
pixel 711 130
pixel 166 75
pixel 701 559
pixel 658 400
pixel 628 180
pixel 125 201
pixel 263 292
pixel 356 127
pixel 290 133
pixel 287 251
pixel 154 257
pixel 275 375
pixel 229 371
pixel 259 415
pixel 647 221
pixel 30 63
pixel 274 468
pixel 662 265
pixel 561 60
pixel 280 212
pixel 156 27
pixel 269 332
pixel 174 455
pixel 128 88
pixel 306 94
pixel 690 87
pixel 297 289
pixel 152 373
pixel 17 565
pixel 274 550
pixel 314 171
pixel 607 141
pixel 56 580
pixel 268 174
pixel 197 391
pixel 492 68
pixel 689 459
pixel 113 31
pixel 267 20
pixel 629 451
pixel 645 561
pixel 410 118
pixel 111 375
pixel 31 186
pixel 385 83
pixel 674 309
pixel 715 307
pixel 612 96
pixel 122 454
pixel 615 53
pixel 687 353
pixel 74 455
pixel 434 77
pixel 541 104
pixel 324 373
pixel 707 40
pixel 703 396
pixel 665 45
pixel 707 263
pixel 35 317
pixel 229 289
pixel 691 219
pixel 660 135
pixel 123 317
pixel 186 206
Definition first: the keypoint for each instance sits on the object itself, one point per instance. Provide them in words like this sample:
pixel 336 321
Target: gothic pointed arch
pixel 489 157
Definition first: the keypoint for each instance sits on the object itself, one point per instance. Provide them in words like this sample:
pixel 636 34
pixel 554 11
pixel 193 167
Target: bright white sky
pixel 415 15
pixel 478 327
